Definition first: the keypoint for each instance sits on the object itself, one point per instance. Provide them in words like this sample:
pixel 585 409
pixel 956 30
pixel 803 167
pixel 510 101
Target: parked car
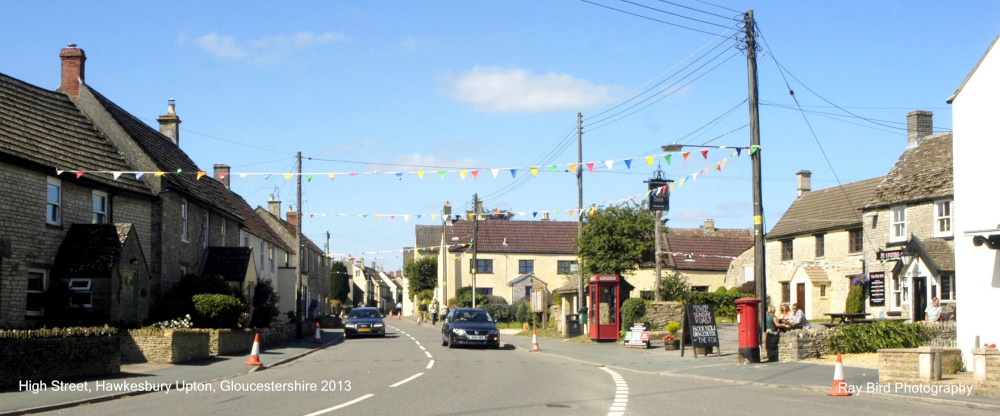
pixel 364 321
pixel 469 326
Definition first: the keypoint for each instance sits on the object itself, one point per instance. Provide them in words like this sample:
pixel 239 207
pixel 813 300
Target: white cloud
pixel 267 49
pixel 495 89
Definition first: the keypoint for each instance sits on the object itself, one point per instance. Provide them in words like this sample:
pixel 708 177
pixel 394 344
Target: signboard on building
pixel 876 289
pixel 889 254
pixel 659 195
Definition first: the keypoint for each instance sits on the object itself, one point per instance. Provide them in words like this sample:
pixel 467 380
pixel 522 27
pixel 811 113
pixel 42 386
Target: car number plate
pixel 365 329
pixel 477 337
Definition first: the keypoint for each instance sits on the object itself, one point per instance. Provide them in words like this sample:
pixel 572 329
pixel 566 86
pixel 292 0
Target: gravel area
pixel 853 360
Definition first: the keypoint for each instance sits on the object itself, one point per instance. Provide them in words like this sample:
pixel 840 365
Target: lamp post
pixel 659 201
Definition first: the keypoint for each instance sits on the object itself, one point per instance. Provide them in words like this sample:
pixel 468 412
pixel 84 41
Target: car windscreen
pixel 363 314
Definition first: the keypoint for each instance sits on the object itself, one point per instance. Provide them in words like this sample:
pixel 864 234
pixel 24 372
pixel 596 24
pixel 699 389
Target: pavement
pixel 722 365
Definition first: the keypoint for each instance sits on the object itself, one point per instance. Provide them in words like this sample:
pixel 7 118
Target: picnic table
pixel 847 318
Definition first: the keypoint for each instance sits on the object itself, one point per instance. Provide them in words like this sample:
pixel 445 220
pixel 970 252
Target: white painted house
pixel 977 229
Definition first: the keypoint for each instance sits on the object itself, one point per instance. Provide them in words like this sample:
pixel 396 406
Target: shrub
pixel 871 337
pixel 178 301
pixel 725 303
pixel 502 313
pixel 673 286
pixel 216 311
pixel 265 304
pixel 633 309
pixel 673 327
pixel 748 287
pixel 855 299
pixel 721 289
pixel 522 311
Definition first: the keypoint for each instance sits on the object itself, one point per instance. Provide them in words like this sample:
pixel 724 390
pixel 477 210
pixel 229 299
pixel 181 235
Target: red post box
pixel 749 330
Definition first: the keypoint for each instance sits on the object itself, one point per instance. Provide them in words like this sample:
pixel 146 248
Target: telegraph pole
pixel 298 247
pixel 475 244
pixel 579 206
pixel 758 210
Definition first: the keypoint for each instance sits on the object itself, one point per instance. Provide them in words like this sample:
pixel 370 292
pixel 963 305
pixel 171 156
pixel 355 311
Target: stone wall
pixel 798 344
pixel 986 371
pixel 164 345
pixel 57 358
pixel 659 313
pixel 943 334
pixel 229 341
pixel 916 365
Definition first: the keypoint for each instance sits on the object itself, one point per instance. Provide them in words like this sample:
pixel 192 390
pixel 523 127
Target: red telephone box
pixel 604 303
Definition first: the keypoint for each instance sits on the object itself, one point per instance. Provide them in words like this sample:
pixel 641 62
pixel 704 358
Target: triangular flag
pixel 718 166
pixel 534 214
pixel 609 163
pixel 420 173
pixel 377 216
pixel 649 159
pixel 513 173
pixel 222 175
pixel 722 163
pixel 694 176
pixel 667 157
pixel 441 174
pixel 495 172
pixel 738 152
pixel 158 174
pixel 199 174
pixel 179 170
pixel 475 174
pixel 79 173
pixel 312 214
pixel 243 175
pixel 309 177
pixel 138 175
pixel 686 154
pixel 534 171
pixel 353 174
pixel 115 175
pixel 754 149
pixel 419 215
pixel 406 218
pixel 590 166
pixel 434 216
pixel 462 173
pixel 288 176
pixel 392 217
pixel 681 182
pixel 399 174
pixel 552 168
pixel 59 172
pixel 330 175
pixel 628 163
pixel 704 152
pixel 571 212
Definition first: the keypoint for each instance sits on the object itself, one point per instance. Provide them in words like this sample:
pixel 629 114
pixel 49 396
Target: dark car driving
pixel 469 326
pixel 364 321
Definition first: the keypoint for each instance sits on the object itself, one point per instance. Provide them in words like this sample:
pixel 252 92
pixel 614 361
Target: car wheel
pixel 495 346
pixel 451 342
pixel 444 342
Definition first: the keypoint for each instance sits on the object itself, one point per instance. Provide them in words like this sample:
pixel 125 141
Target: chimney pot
pixel 919 124
pixel 222 173
pixel 73 65
pixel 804 182
pixel 709 225
pixel 274 207
pixel 170 123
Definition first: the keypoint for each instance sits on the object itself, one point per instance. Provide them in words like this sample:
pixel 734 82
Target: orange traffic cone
pixel 839 385
pixel 319 335
pixel 391 312
pixel 255 351
pixel 534 340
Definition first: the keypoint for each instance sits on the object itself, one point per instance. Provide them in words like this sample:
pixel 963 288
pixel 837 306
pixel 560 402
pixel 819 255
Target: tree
pixel 674 286
pixel 421 274
pixel 616 240
pixel 340 282
pixel 265 304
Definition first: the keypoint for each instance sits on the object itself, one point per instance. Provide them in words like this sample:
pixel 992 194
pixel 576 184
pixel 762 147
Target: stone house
pixel 909 223
pixel 977 229
pixel 315 264
pixel 817 246
pixel 50 208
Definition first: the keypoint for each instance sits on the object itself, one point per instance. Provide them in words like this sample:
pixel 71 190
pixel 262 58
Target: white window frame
pixel 270 255
pixel 896 302
pixel 897 223
pixel 206 229
pixel 53 208
pixel 223 232
pixel 44 276
pixel 99 215
pixel 184 271
pixel 262 246
pixel 81 286
pixel 943 215
pixel 184 221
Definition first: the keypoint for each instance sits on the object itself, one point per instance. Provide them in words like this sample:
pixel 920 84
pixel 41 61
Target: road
pixel 410 373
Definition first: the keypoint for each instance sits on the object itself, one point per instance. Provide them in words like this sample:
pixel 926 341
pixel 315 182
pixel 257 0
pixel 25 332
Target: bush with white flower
pixel 184 322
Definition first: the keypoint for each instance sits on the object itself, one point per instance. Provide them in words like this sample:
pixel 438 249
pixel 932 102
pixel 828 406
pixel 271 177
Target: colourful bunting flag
pixel 667 157
pixel 686 154
pixel 513 173
pixel 420 173
pixel 79 173
pixel 495 172
pixel 704 152
pixel 628 163
pixel 609 163
pixel 590 166
pixel 199 174
pixel 475 174
pixel 534 171
pixel 462 173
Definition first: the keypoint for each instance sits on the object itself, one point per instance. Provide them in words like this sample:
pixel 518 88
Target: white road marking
pixel 621 393
pixel 404 381
pixel 422 347
pixel 430 364
pixel 428 354
pixel 339 406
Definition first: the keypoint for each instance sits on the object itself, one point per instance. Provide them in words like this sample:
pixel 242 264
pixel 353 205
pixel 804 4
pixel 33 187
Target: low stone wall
pixel 659 313
pixel 943 334
pixel 915 365
pixel 797 344
pixel 164 345
pixel 986 371
pixel 57 358
pixel 229 341
pixel 278 334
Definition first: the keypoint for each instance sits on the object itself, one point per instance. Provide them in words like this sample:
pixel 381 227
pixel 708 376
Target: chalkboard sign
pixel 700 325
pixel 876 289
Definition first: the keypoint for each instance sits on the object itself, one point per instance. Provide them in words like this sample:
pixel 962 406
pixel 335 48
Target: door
pixel 800 297
pixel 919 298
pixel 130 292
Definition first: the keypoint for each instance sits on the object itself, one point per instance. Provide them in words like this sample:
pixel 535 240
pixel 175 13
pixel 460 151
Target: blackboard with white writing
pixel 701 328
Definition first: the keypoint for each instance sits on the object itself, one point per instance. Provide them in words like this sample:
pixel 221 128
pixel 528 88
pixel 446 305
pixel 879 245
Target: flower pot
pixel 674 344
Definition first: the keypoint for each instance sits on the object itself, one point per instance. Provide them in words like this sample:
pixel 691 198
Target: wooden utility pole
pixel 475 244
pixel 758 210
pixel 299 296
pixel 579 206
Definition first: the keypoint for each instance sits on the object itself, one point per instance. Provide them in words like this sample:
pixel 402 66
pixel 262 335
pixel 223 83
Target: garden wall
pixel 915 365
pixel 986 371
pixel 164 345
pixel 47 355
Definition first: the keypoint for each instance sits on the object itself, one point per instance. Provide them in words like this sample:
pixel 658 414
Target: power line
pixel 649 18
pixel 672 14
pixel 702 11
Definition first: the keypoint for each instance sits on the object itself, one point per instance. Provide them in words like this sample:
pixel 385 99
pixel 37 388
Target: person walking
pixel 434 312
pixel 422 312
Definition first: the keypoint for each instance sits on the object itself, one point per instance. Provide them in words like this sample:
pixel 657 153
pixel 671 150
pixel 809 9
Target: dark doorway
pixel 800 297
pixel 919 298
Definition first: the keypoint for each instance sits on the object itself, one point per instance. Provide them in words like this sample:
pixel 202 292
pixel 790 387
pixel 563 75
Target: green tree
pixel 421 274
pixel 674 286
pixel 340 282
pixel 855 299
pixel 265 304
pixel 616 240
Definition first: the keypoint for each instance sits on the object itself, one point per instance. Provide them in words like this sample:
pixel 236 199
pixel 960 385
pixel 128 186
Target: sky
pixel 403 101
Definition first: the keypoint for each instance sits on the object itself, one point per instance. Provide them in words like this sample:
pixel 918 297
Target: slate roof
pixel 290 229
pixel 254 223
pixel 45 129
pixel 833 208
pixel 922 173
pixel 538 237
pixel 168 158
pixel 229 262
pixel 938 253
pixel 526 277
pixel 428 237
pixel 710 250
pixel 90 250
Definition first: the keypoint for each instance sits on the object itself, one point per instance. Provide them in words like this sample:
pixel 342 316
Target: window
pixel 820 245
pixel 205 227
pixel 942 218
pixel 262 253
pixel 99 207
pixel 855 240
pixel 223 232
pixel 37 282
pixel 822 291
pixel 527 293
pixel 786 292
pixel 270 255
pixel 565 266
pixel 897 224
pixel 897 292
pixel 525 266
pixel 699 288
pixel 947 287
pixel 184 221
pixel 80 295
pixel 53 197
pixel 786 250
pixel 486 291
pixel 483 266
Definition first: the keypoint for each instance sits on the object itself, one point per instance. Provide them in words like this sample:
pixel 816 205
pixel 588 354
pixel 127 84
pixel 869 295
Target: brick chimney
pixel 274 207
pixel 222 173
pixel 804 182
pixel 73 60
pixel 170 124
pixel 292 216
pixel 919 124
pixel 709 226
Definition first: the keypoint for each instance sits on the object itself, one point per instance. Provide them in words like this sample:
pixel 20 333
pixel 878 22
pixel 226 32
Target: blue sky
pixel 457 85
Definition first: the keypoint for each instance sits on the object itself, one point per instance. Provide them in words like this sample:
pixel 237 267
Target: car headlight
pixel 377 325
pixel 458 331
pixel 349 325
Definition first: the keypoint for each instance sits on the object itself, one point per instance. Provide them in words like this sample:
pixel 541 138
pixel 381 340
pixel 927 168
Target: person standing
pixel 399 309
pixel 434 312
pixel 422 312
